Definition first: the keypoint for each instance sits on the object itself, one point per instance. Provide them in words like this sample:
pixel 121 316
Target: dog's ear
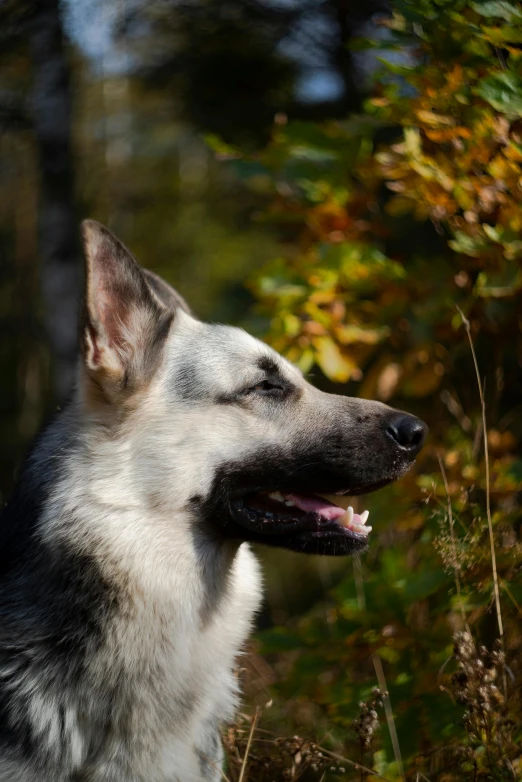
pixel 124 324
pixel 166 293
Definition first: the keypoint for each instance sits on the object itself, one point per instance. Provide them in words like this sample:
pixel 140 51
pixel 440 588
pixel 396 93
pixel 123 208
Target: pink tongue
pixel 316 505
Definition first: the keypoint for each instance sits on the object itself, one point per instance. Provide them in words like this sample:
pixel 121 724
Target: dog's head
pixel 221 426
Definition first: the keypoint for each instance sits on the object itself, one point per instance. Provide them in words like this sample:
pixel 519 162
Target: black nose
pixel 409 432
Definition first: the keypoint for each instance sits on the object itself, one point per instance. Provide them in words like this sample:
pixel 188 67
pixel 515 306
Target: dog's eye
pixel 266 388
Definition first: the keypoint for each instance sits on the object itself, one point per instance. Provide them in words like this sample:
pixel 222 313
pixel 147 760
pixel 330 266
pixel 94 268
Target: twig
pixel 247 750
pixel 501 58
pixel 389 713
pixel 488 493
pixel 453 544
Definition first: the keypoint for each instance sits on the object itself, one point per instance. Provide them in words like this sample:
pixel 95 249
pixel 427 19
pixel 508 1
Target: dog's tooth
pixel 347 519
pixel 276 495
pixel 364 516
pixel 361 529
pixel 290 503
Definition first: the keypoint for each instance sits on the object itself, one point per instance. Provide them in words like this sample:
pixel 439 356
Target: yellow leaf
pixel 292 324
pixel 350 333
pixel 412 141
pixel 435 120
pixel 333 363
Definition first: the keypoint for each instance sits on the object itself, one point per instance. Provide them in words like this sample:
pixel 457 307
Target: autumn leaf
pixel 331 360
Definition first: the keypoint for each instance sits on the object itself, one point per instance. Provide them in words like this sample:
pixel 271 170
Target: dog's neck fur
pixel 177 603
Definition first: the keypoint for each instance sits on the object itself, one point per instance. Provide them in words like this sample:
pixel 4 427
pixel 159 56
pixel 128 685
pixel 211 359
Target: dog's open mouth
pixel 283 513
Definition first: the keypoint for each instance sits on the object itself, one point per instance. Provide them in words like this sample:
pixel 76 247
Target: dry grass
pixel 488 494
pixel 272 758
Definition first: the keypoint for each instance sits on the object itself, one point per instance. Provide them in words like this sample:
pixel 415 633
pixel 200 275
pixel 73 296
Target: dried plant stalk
pixel 488 494
pixel 389 714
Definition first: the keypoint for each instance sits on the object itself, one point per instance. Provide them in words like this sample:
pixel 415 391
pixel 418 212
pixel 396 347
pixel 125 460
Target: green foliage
pixel 391 222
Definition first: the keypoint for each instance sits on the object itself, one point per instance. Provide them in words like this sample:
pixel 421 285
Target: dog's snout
pixel 408 432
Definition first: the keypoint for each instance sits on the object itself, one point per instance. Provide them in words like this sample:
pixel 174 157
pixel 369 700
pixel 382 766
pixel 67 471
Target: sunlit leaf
pixel 464 243
pixel 435 120
pixel 501 284
pixel 503 91
pixel 499 36
pixel 350 333
pixel 333 363
pixel 501 9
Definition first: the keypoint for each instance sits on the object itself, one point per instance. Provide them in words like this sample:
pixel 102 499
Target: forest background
pixel 343 180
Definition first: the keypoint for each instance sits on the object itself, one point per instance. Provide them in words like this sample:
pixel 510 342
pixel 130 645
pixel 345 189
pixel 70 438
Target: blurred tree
pixel 234 65
pixel 59 249
pixel 22 359
pixel 36 64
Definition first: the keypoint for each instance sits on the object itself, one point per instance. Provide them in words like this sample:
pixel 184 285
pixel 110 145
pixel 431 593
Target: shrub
pixel 401 240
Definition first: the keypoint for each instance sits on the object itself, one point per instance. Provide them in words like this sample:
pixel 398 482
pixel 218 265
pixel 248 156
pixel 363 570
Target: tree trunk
pixel 58 227
pixel 342 57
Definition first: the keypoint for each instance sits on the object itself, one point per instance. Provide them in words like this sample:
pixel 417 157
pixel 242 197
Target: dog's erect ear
pixel 124 324
pixel 165 293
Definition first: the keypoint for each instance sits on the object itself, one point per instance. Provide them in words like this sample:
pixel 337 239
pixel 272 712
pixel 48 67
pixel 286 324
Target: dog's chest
pixel 175 655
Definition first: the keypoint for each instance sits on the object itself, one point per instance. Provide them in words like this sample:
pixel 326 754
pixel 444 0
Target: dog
pixel 127 583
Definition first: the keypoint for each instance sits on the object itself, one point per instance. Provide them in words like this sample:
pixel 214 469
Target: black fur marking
pixel 268 365
pixel 274 376
pixel 340 455
pixel 40 469
pixel 268 470
pixel 54 603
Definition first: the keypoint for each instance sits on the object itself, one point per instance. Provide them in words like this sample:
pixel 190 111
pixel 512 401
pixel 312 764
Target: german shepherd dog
pixel 127 585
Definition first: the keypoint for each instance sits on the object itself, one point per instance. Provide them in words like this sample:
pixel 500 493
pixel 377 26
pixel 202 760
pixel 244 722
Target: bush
pixel 401 240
